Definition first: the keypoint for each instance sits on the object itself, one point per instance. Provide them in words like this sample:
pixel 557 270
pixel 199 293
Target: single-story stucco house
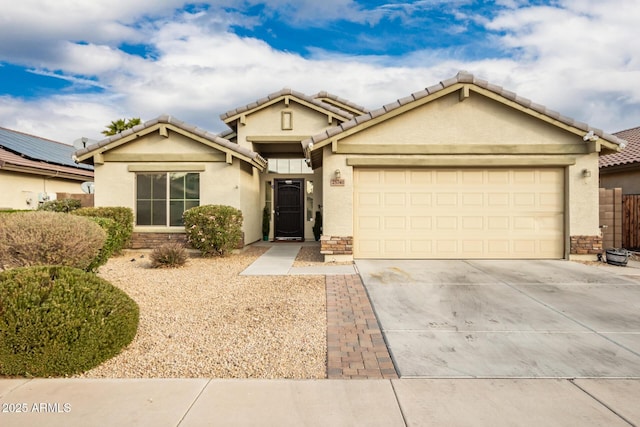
pixel 622 170
pixel 462 169
pixel 35 169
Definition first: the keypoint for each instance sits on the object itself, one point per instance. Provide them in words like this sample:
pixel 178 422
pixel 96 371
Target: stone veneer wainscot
pixel 336 245
pixel 586 245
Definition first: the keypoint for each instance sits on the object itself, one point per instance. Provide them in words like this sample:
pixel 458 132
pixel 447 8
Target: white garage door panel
pixel 469 213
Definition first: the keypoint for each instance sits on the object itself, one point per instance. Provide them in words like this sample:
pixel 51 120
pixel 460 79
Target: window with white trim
pixel 162 197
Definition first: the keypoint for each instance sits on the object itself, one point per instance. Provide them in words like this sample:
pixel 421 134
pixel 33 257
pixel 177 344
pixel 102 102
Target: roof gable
pixel 628 156
pixel 161 125
pixel 286 95
pixel 341 103
pixel 463 83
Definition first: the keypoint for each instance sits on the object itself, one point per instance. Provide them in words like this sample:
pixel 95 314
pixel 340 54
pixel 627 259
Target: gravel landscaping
pixel 204 320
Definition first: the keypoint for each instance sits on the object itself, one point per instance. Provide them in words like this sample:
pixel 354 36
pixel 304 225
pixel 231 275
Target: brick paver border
pixel 355 346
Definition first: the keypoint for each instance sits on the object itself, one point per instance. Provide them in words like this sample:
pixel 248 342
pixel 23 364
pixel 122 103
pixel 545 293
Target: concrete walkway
pixel 278 261
pixel 412 402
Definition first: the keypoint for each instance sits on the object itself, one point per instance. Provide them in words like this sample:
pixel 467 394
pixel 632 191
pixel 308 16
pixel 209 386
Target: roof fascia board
pixel 287 100
pixel 167 167
pixel 162 157
pixel 626 167
pixel 276 138
pixel 98 152
pixel 342 106
pixel 460 161
pixel 481 149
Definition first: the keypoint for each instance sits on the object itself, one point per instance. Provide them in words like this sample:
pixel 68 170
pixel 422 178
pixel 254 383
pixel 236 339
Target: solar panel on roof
pixel 35 148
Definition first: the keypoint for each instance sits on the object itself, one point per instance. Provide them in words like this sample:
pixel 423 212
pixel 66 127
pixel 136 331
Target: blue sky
pixel 69 68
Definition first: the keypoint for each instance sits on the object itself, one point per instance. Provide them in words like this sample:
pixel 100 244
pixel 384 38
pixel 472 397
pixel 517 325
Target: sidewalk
pixel 430 402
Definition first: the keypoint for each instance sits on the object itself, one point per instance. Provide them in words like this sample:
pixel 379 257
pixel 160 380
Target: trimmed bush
pixel 48 238
pixel 170 255
pixel 59 321
pixel 123 216
pixel 111 243
pixel 213 229
pixel 62 205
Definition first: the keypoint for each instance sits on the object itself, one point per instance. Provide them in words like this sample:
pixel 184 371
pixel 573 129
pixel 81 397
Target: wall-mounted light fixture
pixel 586 173
pixel 337 174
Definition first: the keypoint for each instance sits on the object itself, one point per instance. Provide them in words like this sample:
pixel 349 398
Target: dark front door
pixel 289 207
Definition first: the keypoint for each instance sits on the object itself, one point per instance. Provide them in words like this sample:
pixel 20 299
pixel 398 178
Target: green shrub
pixel 213 229
pixel 58 321
pixel 48 238
pixel 62 205
pixel 111 243
pixel 169 255
pixel 123 216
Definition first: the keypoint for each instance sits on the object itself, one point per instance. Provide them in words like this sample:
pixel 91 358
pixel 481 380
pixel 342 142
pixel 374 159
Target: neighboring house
pixel 34 169
pixel 462 169
pixel 622 170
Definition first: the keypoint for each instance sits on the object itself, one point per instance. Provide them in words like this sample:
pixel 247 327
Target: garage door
pixel 459 213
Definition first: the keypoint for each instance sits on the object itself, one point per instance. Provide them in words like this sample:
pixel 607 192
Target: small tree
pixel 117 126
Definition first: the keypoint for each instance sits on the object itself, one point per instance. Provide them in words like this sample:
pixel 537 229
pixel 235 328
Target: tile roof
pixel 461 77
pixel 631 153
pixel 287 92
pixel 179 124
pixel 39 149
pixel 324 94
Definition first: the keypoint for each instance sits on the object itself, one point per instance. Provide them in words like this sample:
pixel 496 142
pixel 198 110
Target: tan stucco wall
pixel 476 120
pixel 629 181
pixel 584 208
pixel 17 188
pixel 114 185
pixel 156 143
pixel 338 201
pixel 249 182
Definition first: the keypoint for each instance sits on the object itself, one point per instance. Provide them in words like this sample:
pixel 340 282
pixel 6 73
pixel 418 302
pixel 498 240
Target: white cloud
pixel 62 118
pixel 578 58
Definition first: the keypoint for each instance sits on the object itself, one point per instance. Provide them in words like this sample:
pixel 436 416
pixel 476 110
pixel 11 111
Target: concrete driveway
pixel 507 319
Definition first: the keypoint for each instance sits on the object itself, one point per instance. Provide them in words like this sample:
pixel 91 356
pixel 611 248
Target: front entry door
pixel 289 207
